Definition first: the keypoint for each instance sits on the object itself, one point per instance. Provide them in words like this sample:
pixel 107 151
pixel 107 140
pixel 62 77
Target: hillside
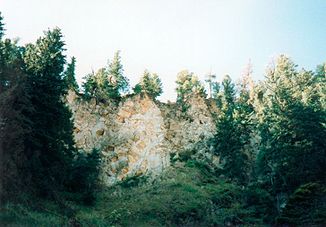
pixel 225 153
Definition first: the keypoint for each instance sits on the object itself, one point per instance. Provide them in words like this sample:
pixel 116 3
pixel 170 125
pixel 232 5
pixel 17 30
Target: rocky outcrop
pixel 186 129
pixel 137 136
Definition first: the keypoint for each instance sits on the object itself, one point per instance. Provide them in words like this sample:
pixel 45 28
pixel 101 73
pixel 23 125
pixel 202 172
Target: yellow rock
pixel 125 170
pixel 120 119
pixel 124 114
pixel 141 145
pixel 138 173
pixel 100 132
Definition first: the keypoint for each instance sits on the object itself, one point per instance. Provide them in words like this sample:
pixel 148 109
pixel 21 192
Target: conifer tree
pixel 292 128
pixel 51 142
pixel 118 83
pixel 107 83
pixel 15 126
pixel 97 85
pixel 320 76
pixel 150 84
pixel 2 29
pixel 188 84
pixel 70 75
pixel 229 139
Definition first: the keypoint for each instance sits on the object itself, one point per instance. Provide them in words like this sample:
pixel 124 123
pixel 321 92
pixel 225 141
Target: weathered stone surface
pixel 137 136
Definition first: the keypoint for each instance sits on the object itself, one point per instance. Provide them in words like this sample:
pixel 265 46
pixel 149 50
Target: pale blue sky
pixel 168 36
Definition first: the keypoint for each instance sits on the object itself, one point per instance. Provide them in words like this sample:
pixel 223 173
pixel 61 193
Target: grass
pixel 187 195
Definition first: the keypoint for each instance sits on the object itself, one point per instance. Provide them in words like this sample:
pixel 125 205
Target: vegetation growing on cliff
pixel 149 83
pixel 270 138
pixel 107 83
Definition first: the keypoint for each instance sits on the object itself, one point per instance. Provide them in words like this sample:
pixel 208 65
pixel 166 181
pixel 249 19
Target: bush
pixel 84 175
pixel 307 205
pixel 133 181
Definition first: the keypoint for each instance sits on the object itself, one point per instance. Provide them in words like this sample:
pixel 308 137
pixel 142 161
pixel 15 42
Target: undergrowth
pixel 187 195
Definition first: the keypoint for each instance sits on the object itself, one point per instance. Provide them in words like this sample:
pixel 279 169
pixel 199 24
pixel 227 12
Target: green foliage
pixel 176 199
pixel 215 89
pixel 69 76
pixel 15 126
pixel 137 89
pixel 107 83
pixel 51 142
pixel 188 84
pixel 115 72
pixel 85 174
pixel 150 84
pixel 10 54
pixel 98 86
pixel 284 183
pixel 233 133
pixel 45 59
pixel 260 203
pixel 2 29
pixel 321 71
pixel 306 206
pixel 25 216
pixel 37 146
pixel 292 128
pixel 133 181
pixel 320 77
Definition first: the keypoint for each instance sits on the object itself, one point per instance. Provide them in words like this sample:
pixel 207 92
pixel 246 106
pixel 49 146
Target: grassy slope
pixel 185 195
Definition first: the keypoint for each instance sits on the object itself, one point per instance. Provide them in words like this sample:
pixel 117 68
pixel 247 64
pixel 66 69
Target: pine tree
pixel 320 77
pixel 51 142
pixel 292 125
pixel 15 126
pixel 70 75
pixel 2 29
pixel 188 84
pixel 118 83
pixel 150 84
pixel 97 85
pixel 229 141
pixel 107 83
pixel 245 115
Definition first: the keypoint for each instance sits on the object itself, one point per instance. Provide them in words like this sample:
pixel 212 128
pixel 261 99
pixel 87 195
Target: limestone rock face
pixel 140 123
pixel 186 130
pixel 137 136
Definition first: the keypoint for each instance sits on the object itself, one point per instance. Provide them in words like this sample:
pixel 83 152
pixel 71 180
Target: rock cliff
pixel 137 136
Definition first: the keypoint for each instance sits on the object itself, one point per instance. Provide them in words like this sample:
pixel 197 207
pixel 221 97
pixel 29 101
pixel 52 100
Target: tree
pixel 15 126
pixel 150 84
pixel 229 139
pixel 97 85
pixel 107 83
pixel 70 75
pixel 320 76
pixel 2 29
pixel 50 144
pixel 117 81
pixel 292 128
pixel 321 70
pixel 246 85
pixel 245 115
pixel 188 84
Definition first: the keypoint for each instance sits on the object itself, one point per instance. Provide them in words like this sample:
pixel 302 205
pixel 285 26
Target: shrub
pixel 84 175
pixel 307 205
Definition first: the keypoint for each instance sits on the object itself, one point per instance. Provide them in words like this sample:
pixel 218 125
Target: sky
pixel 166 37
